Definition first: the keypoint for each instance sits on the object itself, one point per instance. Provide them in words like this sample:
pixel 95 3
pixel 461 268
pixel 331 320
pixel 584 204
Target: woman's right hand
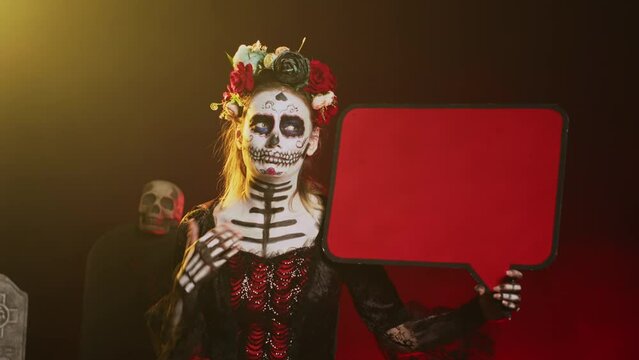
pixel 205 254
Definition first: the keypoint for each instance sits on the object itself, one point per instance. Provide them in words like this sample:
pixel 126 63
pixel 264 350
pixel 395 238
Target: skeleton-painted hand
pixel 206 254
pixel 504 299
pixel 509 293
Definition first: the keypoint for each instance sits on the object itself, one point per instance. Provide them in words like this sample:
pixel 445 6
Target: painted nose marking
pixel 273 140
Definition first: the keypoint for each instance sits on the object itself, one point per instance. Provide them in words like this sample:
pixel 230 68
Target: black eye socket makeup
pixel 292 126
pixel 262 124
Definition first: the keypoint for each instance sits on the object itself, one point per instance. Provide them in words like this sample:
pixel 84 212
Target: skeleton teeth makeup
pixel 275 158
pixel 277 122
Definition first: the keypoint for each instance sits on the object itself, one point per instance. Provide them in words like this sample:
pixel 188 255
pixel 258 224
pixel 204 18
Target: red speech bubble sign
pixel 475 187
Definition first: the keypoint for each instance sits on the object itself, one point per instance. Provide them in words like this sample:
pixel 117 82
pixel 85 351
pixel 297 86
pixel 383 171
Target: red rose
pixel 321 79
pixel 241 79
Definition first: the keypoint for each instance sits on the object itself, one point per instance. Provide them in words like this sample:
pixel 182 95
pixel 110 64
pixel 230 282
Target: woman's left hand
pixel 504 299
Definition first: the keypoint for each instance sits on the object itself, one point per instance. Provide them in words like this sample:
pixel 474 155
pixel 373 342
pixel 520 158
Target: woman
pixel 254 282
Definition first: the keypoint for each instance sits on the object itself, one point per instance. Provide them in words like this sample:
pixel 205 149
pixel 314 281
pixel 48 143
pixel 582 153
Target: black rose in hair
pixel 292 68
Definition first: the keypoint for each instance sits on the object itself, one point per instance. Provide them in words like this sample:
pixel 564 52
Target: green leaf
pixel 230 58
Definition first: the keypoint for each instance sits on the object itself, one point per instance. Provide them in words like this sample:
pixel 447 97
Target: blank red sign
pixel 451 186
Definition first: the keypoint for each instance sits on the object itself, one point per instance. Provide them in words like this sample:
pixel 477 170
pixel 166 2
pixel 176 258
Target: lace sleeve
pixel 430 333
pixel 400 334
pixel 374 296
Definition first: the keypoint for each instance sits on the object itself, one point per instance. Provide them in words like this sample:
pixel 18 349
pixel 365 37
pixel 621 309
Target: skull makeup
pixel 161 207
pixel 277 134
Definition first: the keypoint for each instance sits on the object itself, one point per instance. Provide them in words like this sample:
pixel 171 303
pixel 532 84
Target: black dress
pixel 293 313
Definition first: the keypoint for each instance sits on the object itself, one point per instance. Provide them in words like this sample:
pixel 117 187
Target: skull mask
pixel 161 207
pixel 277 134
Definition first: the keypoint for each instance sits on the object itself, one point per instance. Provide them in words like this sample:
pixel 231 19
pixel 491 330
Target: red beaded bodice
pixel 265 294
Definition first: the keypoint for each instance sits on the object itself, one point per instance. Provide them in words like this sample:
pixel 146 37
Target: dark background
pixel 96 98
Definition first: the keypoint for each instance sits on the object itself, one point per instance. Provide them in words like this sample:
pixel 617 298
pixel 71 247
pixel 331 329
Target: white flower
pixel 324 100
pixel 241 55
pixel 269 59
pixel 258 47
pixel 246 55
pixel 280 50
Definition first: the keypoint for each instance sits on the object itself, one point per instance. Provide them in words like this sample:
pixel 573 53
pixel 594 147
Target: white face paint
pixel 276 134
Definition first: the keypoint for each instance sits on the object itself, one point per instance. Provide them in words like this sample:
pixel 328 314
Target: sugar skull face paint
pixel 276 134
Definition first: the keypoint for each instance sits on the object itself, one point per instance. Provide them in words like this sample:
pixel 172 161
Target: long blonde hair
pixel 234 176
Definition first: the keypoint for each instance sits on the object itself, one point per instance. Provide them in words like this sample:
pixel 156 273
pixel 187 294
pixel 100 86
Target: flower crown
pixel 253 64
